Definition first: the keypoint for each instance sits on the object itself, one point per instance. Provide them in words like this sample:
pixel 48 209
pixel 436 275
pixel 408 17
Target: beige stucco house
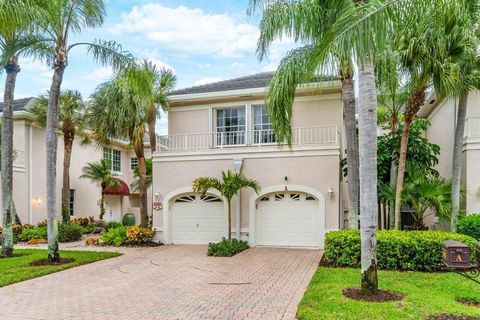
pixel 225 125
pixel 29 177
pixel 442 114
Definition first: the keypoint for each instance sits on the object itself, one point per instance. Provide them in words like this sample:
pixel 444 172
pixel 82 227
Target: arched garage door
pixel 198 219
pixel 288 219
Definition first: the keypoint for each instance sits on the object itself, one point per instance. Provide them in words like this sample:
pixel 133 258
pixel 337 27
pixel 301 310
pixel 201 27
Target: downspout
pixel 30 174
pixel 237 166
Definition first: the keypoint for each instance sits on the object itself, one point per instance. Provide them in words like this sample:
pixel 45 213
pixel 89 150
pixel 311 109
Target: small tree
pixel 230 185
pixel 99 172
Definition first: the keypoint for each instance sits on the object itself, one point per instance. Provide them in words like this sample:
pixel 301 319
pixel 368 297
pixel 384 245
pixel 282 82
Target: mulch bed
pixel 469 302
pixel 45 262
pixel 381 296
pixel 446 316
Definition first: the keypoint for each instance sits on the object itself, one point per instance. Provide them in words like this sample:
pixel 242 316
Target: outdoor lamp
pixel 330 193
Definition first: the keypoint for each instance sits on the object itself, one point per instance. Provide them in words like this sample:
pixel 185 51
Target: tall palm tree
pixel 164 82
pixel 17 38
pixel 99 172
pixel 62 18
pixel 119 109
pixel 433 44
pixel 135 185
pixel 72 118
pixel 229 186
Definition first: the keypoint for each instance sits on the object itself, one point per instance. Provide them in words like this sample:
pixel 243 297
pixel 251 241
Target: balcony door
pixel 262 126
pixel 231 126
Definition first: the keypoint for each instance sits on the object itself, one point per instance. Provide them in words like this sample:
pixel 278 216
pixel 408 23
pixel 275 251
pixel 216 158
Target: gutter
pixel 237 166
pixel 30 174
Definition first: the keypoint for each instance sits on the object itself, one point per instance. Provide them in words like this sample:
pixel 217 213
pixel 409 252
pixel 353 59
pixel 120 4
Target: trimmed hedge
pixel 470 225
pixel 396 250
pixel 69 232
pixel 226 248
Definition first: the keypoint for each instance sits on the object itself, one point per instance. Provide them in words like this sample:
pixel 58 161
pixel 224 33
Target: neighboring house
pixel 225 125
pixel 442 115
pixel 29 178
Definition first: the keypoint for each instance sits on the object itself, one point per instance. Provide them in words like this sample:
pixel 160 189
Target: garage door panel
pixel 198 221
pixel 288 219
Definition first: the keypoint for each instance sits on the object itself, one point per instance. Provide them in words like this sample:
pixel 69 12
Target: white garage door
pixel 288 219
pixel 198 220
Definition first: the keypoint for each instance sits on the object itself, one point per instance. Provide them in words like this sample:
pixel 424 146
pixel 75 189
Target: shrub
pixel 42 223
pixel 116 237
pixel 68 232
pixel 82 221
pixel 33 233
pixel 113 225
pixel 470 225
pixel 28 226
pixel 396 250
pixel 37 241
pixel 226 248
pixel 139 235
pixel 88 229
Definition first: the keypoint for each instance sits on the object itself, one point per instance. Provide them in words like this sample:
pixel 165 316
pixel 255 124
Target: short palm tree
pixel 17 39
pixel 99 172
pixel 229 186
pixel 72 118
pixel 119 110
pixel 60 19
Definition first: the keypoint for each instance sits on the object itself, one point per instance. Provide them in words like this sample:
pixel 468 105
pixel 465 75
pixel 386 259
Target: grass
pixel 18 268
pixel 425 294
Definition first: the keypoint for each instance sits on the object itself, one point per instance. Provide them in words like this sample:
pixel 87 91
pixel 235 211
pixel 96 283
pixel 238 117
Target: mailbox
pixel 455 254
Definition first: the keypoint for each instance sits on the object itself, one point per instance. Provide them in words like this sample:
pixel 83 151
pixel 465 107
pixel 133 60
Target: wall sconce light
pixel 330 193
pixel 37 201
pixel 157 205
pixel 286 180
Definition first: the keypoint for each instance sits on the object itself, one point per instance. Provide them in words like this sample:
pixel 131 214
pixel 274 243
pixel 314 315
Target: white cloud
pixel 190 31
pixel 100 74
pixel 207 81
pixel 39 68
pixel 161 64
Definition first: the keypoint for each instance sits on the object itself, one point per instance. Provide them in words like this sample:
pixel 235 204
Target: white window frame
pixel 132 165
pixel 215 126
pixel 108 154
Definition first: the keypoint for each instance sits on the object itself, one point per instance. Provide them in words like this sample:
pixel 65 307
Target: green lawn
pixel 18 268
pixel 425 294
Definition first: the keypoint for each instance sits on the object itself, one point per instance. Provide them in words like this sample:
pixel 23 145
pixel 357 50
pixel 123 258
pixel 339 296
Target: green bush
pixel 33 233
pixel 470 225
pixel 68 232
pixel 116 236
pixel 226 248
pixel 88 229
pixel 114 225
pixel 396 250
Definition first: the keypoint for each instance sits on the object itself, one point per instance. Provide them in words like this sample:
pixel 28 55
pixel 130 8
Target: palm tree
pixel 99 172
pixel 119 109
pixel 164 82
pixel 229 186
pixel 60 19
pixel 149 180
pixel 433 44
pixel 72 118
pixel 17 39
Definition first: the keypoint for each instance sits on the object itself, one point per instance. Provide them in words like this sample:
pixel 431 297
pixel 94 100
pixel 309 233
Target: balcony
pixel 327 136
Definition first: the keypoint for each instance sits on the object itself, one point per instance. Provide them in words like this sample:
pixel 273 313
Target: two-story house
pixel 29 177
pixel 225 125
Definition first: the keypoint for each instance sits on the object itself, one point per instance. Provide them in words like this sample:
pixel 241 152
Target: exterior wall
pixel 192 121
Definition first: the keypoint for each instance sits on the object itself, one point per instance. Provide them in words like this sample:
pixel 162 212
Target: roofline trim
pixel 247 92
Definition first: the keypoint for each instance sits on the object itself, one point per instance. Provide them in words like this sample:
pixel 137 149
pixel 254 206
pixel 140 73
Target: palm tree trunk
pixel 348 97
pixel 391 207
pixel 415 101
pixel 368 178
pixel 12 69
pixel 52 143
pixel 102 204
pixel 152 135
pixel 68 137
pixel 457 160
pixel 229 203
pixel 142 183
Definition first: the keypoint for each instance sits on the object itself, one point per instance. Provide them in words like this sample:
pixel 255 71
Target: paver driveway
pixel 171 282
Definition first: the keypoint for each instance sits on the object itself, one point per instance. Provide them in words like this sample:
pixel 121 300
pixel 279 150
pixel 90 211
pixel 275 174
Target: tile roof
pixel 18 104
pixel 259 80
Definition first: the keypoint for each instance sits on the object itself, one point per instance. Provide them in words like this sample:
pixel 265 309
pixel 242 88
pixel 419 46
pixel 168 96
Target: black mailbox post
pixel 456 254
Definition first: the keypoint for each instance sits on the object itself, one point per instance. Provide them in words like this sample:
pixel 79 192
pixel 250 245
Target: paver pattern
pixel 169 282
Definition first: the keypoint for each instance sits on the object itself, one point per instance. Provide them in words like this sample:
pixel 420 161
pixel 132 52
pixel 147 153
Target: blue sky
pixel 202 40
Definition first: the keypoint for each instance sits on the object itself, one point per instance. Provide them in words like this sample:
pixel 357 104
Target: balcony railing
pixel 203 141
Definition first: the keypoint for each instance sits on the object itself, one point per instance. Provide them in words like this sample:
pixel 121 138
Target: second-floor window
pixel 231 126
pixel 114 157
pixel 133 163
pixel 262 127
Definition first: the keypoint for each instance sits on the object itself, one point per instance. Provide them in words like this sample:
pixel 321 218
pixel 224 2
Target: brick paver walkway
pixel 170 282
